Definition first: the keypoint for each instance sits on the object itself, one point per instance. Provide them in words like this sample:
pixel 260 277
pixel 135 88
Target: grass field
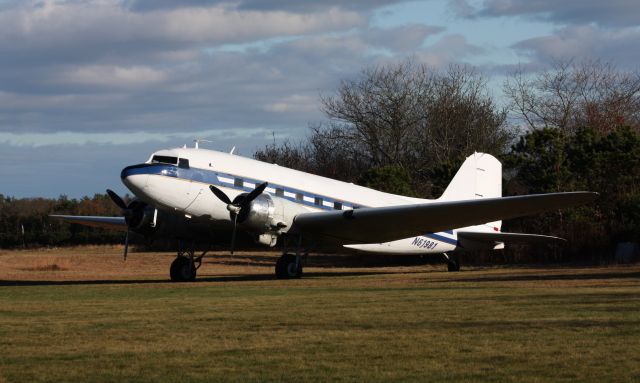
pixel 81 315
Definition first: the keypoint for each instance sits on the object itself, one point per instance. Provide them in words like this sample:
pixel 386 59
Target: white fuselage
pixel 185 189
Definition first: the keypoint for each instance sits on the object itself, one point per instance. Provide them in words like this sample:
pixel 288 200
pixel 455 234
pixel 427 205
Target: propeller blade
pixel 116 199
pixel 233 234
pixel 254 193
pixel 234 209
pixel 126 245
pixel 220 194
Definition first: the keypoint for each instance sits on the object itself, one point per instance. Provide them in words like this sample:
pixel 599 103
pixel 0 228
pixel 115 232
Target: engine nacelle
pixel 269 215
pixel 140 217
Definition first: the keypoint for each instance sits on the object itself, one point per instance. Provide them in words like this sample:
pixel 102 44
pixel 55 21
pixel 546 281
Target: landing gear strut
pixel 289 266
pixel 184 267
pixel 453 264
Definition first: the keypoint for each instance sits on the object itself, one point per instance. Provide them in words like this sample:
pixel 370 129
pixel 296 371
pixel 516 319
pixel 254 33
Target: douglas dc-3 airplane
pixel 198 195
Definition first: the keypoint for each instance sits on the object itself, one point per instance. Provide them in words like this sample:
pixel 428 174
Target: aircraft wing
pixel 114 223
pixel 384 224
pixel 507 237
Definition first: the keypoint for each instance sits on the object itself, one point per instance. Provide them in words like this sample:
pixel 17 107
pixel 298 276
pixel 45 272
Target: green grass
pixel 487 325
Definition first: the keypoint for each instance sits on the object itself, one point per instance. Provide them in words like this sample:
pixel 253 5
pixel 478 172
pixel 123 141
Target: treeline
pixel 406 129
pixel 25 222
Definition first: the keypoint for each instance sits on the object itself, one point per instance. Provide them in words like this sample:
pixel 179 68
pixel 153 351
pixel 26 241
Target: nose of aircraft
pixel 135 178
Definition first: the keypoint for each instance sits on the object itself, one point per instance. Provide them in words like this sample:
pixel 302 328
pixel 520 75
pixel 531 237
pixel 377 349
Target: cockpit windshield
pixel 164 160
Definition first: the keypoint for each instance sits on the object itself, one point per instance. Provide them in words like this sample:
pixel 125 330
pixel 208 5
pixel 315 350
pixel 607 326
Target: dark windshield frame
pixel 164 160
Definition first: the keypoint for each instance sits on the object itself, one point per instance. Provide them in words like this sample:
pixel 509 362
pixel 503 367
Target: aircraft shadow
pixel 322 274
pixel 330 261
pixel 220 278
pixel 556 277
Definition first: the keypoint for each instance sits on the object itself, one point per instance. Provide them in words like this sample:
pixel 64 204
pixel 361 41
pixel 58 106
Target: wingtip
pixel 592 195
pixel 586 196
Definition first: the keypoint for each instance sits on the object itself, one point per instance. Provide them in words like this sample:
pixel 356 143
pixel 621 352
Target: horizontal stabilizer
pixel 113 223
pixel 497 237
pixel 384 224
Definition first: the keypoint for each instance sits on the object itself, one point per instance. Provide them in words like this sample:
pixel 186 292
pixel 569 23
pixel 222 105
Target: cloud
pixel 619 46
pixel 113 76
pixel 300 6
pixel 295 102
pixel 404 38
pixel 611 13
pixel 110 74
pixel 450 49
pixel 72 31
pixel 97 66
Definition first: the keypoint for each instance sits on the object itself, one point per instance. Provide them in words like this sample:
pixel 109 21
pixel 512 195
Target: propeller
pixel 127 211
pixel 116 199
pixel 235 207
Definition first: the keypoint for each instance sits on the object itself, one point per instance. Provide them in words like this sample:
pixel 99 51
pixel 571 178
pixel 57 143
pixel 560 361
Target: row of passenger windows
pixel 239 182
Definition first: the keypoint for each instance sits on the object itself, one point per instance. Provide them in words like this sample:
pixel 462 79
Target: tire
pixel 286 267
pixel 453 265
pixel 182 270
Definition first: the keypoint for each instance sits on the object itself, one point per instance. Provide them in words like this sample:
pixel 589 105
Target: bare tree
pixel 572 95
pixel 461 117
pixel 405 118
pixel 381 111
pixel 413 117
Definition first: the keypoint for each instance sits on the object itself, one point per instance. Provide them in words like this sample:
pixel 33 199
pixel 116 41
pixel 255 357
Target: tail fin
pixel 480 176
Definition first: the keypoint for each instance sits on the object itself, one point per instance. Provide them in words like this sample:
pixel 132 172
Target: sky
pixel 88 87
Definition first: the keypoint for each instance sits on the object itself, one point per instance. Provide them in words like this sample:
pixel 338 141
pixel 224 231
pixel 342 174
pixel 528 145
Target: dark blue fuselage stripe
pixel 442 238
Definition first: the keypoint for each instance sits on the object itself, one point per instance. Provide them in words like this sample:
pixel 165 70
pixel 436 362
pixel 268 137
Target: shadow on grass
pixel 221 278
pixel 331 260
pixel 552 277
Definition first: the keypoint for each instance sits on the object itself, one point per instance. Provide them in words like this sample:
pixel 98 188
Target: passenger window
pixel 238 182
pixel 299 196
pixel 165 160
pixel 337 205
pixel 280 192
pixel 183 163
pixel 318 201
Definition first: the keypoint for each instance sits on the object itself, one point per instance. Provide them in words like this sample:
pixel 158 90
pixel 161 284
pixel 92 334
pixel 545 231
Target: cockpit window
pixel 183 163
pixel 164 160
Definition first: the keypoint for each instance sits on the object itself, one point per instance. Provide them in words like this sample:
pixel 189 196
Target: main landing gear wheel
pixel 182 270
pixel 288 267
pixel 453 265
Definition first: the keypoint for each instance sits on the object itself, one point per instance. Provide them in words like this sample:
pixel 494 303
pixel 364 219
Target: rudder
pixel 480 176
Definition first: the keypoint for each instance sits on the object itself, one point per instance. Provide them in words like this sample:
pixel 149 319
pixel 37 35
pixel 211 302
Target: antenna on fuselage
pixel 232 150
pixel 199 140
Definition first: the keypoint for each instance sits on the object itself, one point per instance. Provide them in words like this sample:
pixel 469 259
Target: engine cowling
pixel 140 217
pixel 268 217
